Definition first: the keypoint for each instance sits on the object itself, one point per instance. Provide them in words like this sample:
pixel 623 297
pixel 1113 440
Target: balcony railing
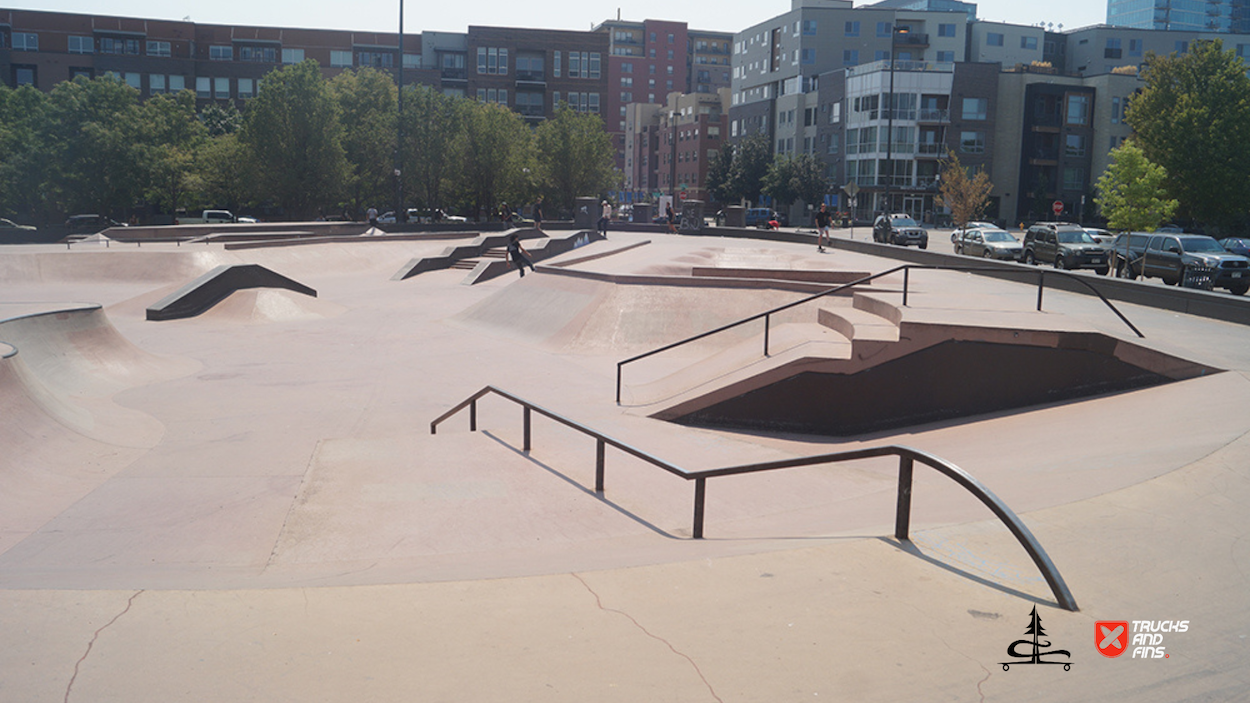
pixel 531 77
pixel 934 115
pixel 455 74
pixel 910 39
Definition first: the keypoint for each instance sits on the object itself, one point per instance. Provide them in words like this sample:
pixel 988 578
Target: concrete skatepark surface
pixel 248 505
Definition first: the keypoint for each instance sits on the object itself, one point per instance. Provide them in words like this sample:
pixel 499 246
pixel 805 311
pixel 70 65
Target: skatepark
pixel 249 503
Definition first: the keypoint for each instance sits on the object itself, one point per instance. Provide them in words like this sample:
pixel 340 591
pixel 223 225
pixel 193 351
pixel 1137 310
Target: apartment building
pixel 1104 48
pixel 531 71
pixel 1182 15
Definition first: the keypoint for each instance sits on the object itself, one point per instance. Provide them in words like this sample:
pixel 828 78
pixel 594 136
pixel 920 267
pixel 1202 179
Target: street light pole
pixel 401 215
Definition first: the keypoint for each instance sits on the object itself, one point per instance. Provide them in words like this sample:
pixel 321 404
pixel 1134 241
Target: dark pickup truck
pixel 1189 259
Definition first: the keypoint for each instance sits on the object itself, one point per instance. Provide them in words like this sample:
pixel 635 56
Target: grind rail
pixel 908 458
pixel 906 269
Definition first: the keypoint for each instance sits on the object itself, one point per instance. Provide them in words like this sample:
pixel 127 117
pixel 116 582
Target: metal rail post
pixel 599 462
pixel 473 416
pixel 618 383
pixel 700 494
pixel 906 281
pixel 902 516
pixel 1041 285
pixel 526 423
pixel 766 326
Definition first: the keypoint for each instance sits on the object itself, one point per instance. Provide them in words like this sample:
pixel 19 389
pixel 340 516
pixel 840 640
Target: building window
pixel 221 53
pixel 972 142
pixel 1078 110
pixel 808 56
pixel 258 54
pixel 994 39
pixel 375 59
pixel 80 45
pixel 292 55
pixel 247 88
pixel 1182 47
pixel 946 57
pixel 976 108
pixel 670 38
pixel 627 68
pixel 177 84
pixel 492 60
pixel 555 66
pixel 809 27
pixel 946 30
pixel 852 29
pixel 76 71
pixel 1117 110
pixel 221 88
pixel 850 57
pixel 1134 47
pixel 25 41
pixel 158 48
pixel 1028 43
pixel 627 82
pixel 203 87
pixel 156 84
pixel 24 75
pixel 111 45
pixel 1074 145
pixel 340 59
pixel 884 29
pixel 1074 179
pixel 881 55
pixel 530 67
pixel 627 97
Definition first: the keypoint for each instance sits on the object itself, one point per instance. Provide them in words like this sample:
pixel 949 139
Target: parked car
pixel 1170 229
pixel 990 243
pixel 1172 256
pixel 955 235
pixel 1236 245
pixel 9 226
pixel 1101 236
pixel 387 218
pixel 90 224
pixel 1067 246
pixel 1126 253
pixel 899 229
pixel 206 217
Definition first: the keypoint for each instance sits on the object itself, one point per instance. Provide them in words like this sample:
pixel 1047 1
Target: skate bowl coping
pixel 908 457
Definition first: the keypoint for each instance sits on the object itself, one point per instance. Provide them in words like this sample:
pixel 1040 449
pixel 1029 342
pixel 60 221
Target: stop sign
pixel 683 195
pixel 1057 206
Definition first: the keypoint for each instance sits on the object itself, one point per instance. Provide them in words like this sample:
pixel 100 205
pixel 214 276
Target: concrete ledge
pixel 215 286
pixel 452 254
pixel 544 249
pixel 690 281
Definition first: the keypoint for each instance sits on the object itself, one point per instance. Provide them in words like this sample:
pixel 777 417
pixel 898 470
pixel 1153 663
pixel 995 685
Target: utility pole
pixel 401 215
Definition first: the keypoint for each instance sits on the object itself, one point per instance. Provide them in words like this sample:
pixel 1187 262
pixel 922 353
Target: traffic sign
pixel 1057 206
pixel 852 189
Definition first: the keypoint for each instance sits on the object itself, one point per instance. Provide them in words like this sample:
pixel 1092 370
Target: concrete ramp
pixel 217 285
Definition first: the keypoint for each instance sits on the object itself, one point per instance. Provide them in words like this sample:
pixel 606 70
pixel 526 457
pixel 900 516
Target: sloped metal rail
pixel 907 459
pixel 906 269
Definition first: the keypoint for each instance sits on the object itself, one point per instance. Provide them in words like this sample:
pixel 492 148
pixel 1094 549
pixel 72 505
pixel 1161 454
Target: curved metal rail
pixel 906 269
pixel 908 457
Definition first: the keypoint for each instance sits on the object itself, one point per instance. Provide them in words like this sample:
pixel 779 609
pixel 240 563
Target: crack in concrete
pixel 648 633
pixel 94 637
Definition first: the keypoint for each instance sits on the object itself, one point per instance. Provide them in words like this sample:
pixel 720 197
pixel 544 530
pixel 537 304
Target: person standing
pixel 604 218
pixel 372 214
pixel 670 218
pixel 824 219
pixel 518 255
pixel 538 216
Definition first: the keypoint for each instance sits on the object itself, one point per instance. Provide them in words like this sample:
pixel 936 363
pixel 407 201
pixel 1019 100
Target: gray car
pixel 989 243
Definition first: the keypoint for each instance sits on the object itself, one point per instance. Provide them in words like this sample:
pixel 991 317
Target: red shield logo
pixel 1111 637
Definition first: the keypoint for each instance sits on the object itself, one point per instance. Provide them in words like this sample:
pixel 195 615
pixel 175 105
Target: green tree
pixel 23 162
pixel 433 137
pixel 751 159
pixel 496 147
pixel 366 99
pixel 175 136
pixel 92 134
pixel 720 176
pixel 1193 119
pixel 226 173
pixel 220 118
pixel 575 157
pixel 965 194
pixel 1131 193
pixel 792 178
pixel 293 133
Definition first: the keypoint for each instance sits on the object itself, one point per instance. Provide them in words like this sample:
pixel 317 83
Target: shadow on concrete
pixel 909 547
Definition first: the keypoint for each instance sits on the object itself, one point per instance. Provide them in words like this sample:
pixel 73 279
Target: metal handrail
pixel 906 269
pixel 908 457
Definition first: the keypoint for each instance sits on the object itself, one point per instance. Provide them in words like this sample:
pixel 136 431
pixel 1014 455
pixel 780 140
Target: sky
pixel 427 15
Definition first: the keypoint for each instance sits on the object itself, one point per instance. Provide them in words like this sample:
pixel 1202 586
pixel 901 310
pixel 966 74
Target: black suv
pixel 1172 256
pixel 899 229
pixel 1066 246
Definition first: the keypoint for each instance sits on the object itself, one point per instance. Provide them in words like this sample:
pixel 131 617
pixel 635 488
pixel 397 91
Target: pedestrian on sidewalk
pixel 372 214
pixel 518 255
pixel 670 218
pixel 604 218
pixel 824 219
pixel 538 214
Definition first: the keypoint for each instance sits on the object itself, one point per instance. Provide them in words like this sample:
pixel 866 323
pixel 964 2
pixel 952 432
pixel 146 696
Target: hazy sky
pixel 718 15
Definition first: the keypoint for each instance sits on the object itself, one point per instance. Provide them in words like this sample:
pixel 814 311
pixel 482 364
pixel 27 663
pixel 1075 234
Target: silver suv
pixel 899 229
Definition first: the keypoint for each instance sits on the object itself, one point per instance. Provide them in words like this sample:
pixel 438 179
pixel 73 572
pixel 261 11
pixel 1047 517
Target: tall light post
pixel 401 215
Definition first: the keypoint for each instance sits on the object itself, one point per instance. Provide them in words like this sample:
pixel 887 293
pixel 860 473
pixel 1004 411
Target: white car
pixel 958 233
pixel 387 218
